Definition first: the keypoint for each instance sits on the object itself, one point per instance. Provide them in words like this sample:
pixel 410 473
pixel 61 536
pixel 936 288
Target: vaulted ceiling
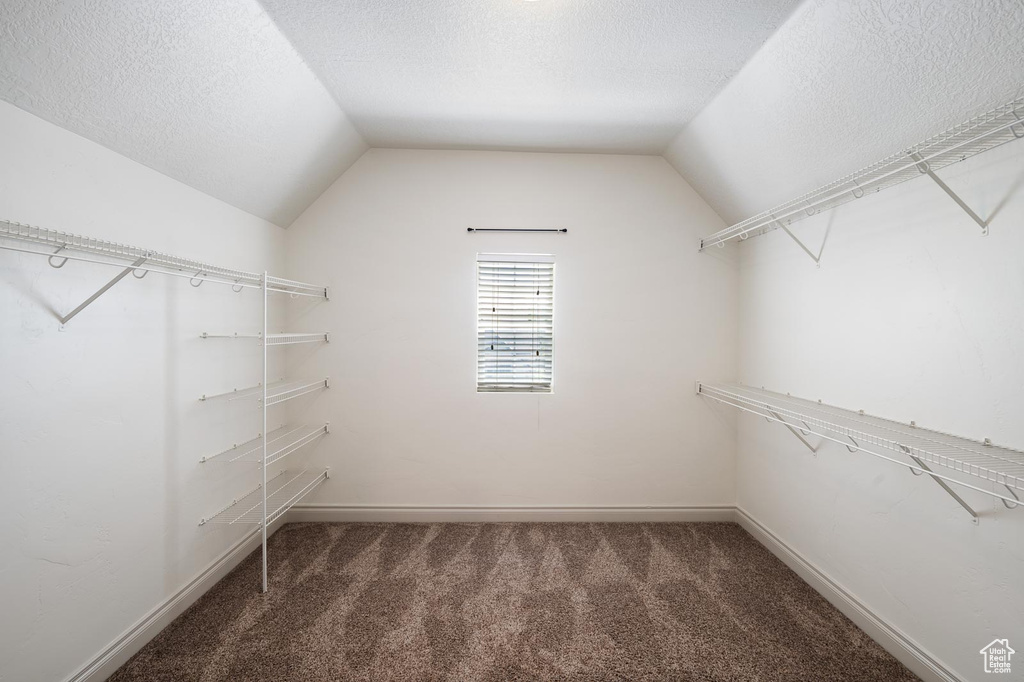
pixel 264 106
pixel 551 75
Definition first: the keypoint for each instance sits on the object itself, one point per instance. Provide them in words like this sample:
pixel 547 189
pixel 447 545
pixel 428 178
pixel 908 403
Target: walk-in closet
pixel 511 340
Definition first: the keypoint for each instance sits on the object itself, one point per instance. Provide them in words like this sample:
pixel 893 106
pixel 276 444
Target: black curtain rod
pixel 510 229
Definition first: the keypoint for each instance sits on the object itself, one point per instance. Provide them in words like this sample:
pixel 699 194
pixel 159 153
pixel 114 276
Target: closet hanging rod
pixel 113 253
pixel 144 268
pixel 957 460
pixel 513 229
pixel 989 130
pixel 63 246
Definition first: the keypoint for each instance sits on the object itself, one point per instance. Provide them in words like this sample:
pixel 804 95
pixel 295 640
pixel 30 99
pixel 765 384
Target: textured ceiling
pixel 843 84
pixel 209 93
pixel 215 95
pixel 569 75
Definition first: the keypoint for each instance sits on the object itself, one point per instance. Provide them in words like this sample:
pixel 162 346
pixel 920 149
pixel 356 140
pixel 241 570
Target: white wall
pixel 639 316
pixel 912 316
pixel 100 428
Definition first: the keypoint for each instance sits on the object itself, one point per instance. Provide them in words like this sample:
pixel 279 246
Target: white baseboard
pixel 892 639
pixel 117 653
pixel 451 514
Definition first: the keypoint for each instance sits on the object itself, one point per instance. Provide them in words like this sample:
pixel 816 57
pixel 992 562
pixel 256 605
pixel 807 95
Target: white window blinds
pixel 515 303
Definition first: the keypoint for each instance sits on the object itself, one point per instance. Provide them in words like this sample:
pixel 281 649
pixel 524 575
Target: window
pixel 515 297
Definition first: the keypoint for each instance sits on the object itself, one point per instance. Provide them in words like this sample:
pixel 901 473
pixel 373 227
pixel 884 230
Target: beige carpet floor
pixel 503 602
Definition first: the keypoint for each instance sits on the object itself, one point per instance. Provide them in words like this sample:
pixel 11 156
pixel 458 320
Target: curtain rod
pixel 511 229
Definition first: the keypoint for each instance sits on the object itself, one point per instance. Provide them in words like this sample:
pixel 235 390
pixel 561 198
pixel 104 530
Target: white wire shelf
pixel 288 286
pixel 292 390
pixel 277 392
pixel 962 461
pixel 276 339
pixel 283 491
pixel 981 133
pixel 294 338
pixel 281 442
pixel 61 247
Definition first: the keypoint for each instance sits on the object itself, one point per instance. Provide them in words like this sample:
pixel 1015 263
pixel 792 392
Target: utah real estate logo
pixel 997 656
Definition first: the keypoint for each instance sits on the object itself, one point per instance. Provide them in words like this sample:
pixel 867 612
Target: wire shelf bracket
pixel 942 484
pixel 814 257
pixel 795 432
pixel 926 169
pixel 102 290
pixel 977 135
pixel 947 459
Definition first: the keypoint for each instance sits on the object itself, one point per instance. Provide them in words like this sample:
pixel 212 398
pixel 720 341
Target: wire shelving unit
pixel 274 496
pixel 978 465
pixel 979 134
pixel 267 503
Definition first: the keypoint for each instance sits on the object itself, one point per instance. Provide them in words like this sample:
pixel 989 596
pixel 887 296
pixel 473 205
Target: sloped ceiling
pixel 552 75
pixel 264 106
pixel 842 85
pixel 208 93
pixel 214 94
